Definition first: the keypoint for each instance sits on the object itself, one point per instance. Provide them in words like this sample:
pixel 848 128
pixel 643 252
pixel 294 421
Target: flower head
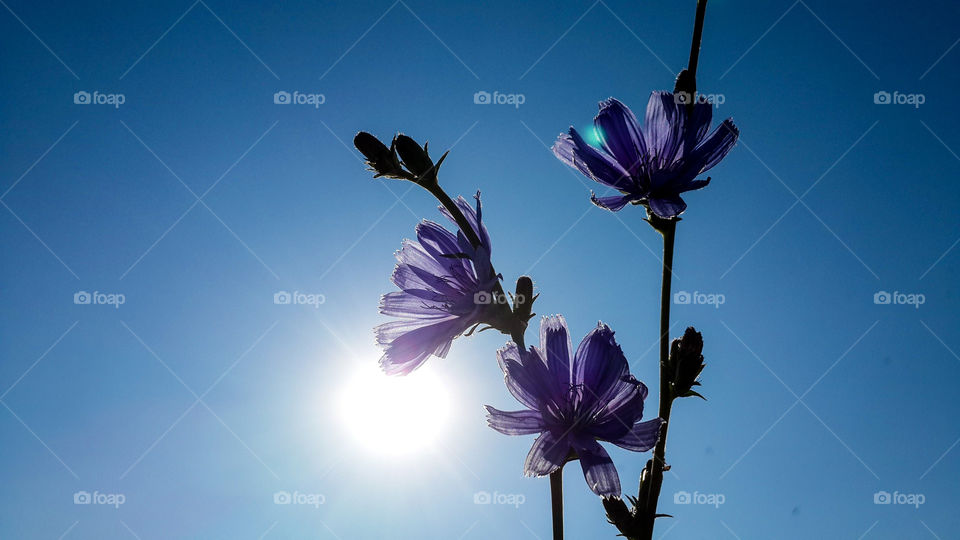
pixel 573 400
pixel 445 288
pixel 650 165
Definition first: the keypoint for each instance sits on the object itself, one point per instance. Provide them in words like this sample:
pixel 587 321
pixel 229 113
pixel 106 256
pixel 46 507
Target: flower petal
pixel 420 305
pixel 548 454
pixel 528 390
pixel 514 423
pixel 441 245
pixel 663 128
pixel 667 207
pixel 620 411
pixel 613 203
pixel 555 343
pixel 533 378
pixel 409 343
pixel 575 152
pixel 694 184
pixel 715 147
pixel 697 123
pixel 473 217
pixel 417 269
pixel 598 469
pixel 598 365
pixel 641 437
pixel 621 136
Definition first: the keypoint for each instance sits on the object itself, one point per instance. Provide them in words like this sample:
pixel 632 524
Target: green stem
pixel 556 500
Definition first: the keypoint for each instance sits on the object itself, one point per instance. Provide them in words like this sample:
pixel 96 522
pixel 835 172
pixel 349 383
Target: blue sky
pixel 198 198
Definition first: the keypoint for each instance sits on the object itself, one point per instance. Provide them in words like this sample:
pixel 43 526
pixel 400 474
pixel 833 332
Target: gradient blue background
pixel 299 212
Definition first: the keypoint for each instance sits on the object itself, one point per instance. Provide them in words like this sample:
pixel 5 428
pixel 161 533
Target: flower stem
pixel 668 229
pixel 458 216
pixel 556 499
pixel 697 35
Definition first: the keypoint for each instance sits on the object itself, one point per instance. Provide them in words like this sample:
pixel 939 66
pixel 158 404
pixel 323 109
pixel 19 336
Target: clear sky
pixel 198 400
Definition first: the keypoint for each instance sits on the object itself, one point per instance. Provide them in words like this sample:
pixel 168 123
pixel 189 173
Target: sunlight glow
pixel 395 416
pixel 592 136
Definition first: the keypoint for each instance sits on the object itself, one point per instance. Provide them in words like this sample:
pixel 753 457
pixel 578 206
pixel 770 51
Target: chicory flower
pixel 650 165
pixel 574 400
pixel 446 288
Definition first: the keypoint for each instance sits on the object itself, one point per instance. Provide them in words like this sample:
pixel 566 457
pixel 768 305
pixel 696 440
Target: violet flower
pixel 445 288
pixel 654 164
pixel 574 400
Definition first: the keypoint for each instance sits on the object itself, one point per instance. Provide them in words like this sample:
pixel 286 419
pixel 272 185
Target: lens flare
pixel 592 136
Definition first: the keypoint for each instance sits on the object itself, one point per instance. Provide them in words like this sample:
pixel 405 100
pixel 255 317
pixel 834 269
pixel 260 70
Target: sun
pixel 395 416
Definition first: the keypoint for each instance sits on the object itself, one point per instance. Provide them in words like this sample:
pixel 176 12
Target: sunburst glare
pixel 396 416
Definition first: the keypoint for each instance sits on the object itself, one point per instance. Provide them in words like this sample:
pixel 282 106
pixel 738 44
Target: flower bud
pixel 523 299
pixel 685 89
pixel 417 160
pixel 618 514
pixel 686 363
pixel 380 159
pixel 635 523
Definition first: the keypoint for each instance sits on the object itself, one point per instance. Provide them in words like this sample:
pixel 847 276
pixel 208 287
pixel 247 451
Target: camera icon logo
pixel 881 497
pixel 882 298
pixel 281 497
pixel 681 497
pixel 681 297
pixel 682 98
pixel 482 497
pixel 882 98
pixel 281 297
pixel 81 497
pixel 481 97
pixel 81 297
pixel 482 298
pixel 281 98
pixel 81 98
